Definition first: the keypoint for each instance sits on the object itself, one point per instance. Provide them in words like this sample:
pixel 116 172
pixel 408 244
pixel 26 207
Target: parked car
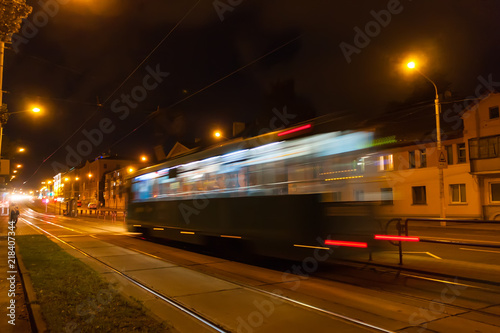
pixel 92 206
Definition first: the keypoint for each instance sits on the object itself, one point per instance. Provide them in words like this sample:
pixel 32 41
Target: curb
pixel 38 324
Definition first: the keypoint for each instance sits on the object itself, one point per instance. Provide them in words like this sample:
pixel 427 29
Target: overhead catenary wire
pixel 119 86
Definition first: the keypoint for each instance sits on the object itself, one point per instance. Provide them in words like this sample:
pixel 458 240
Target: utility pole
pixel 437 107
pixel 11 14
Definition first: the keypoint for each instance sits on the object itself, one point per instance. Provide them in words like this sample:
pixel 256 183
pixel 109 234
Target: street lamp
pixel 437 106
pixel 34 110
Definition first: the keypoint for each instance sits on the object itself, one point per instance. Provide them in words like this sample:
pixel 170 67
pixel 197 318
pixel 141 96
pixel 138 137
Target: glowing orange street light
pixel 66 179
pixel 36 109
pixel 144 158
pixel 90 175
pixel 77 178
pixel 21 150
pixel 19 166
pixel 130 170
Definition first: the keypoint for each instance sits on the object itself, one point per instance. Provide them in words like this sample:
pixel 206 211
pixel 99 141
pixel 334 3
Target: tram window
pixel 231 180
pixel 220 181
pixel 155 188
pixel 242 177
pixel 210 182
pixel 143 190
pixel 135 191
pixel 280 186
pixel 174 188
pixel 164 188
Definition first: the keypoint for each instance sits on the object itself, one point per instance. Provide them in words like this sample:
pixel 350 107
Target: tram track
pixel 164 298
pixel 397 271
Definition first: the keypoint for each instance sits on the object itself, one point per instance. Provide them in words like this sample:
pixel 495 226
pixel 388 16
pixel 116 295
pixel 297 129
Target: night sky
pixel 82 60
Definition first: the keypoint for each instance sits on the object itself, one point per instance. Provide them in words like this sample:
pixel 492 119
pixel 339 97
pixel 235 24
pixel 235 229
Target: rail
pixel 402 227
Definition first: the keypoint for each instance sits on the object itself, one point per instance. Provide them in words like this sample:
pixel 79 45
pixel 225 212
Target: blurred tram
pixel 270 195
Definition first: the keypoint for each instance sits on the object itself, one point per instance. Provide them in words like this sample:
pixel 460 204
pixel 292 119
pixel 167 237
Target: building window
pixel 484 147
pixel 359 164
pixel 336 196
pixel 494 112
pixel 386 196
pixel 449 154
pixel 457 193
pixel 423 158
pixel 495 192
pixel 419 196
pixel 386 163
pixel 461 156
pixel 359 195
pixel 411 159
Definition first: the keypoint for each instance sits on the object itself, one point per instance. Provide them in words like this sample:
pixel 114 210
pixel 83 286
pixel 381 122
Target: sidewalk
pixel 11 292
pixel 422 263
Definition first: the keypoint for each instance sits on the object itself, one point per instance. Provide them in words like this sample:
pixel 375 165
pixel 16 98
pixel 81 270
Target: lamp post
pixel 4 117
pixel 437 106
pixel 11 17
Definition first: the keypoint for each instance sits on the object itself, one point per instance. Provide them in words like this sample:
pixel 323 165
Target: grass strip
pixel 75 298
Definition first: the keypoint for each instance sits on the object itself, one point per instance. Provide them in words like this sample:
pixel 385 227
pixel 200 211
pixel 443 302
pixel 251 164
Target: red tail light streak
pixel 345 243
pixel 296 129
pixel 397 238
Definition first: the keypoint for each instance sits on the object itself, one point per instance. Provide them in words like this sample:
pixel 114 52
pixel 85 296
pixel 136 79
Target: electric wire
pixel 114 92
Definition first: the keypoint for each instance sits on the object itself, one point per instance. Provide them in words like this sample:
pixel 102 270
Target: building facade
pixel 405 177
pixel 83 188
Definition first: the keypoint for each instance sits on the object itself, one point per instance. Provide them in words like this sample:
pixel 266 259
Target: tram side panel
pixel 267 224
pixel 291 226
